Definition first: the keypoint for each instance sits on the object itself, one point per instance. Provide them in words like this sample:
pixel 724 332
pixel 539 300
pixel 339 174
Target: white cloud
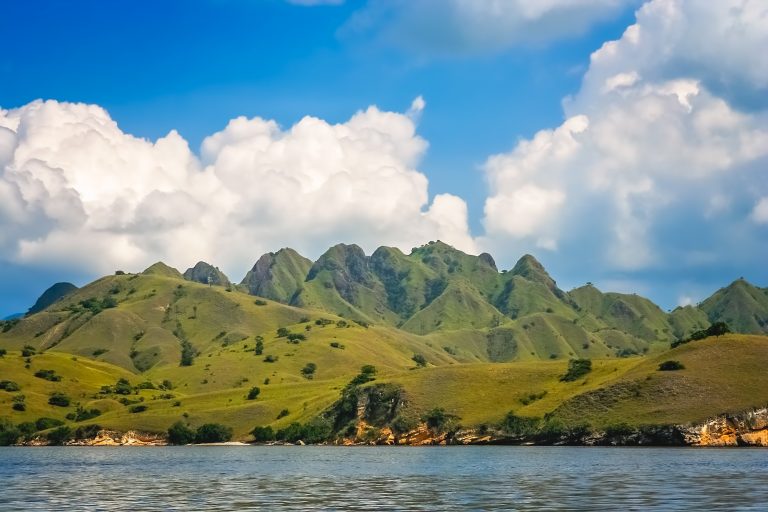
pixel 74 188
pixel 646 144
pixel 760 212
pixel 469 26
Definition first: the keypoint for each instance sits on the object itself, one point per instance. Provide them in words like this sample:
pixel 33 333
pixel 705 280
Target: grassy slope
pixel 724 374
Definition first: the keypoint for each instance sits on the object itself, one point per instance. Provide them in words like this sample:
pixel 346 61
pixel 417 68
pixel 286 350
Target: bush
pixel 59 399
pixel 271 359
pixel 259 346
pixel 46 423
pixel 122 387
pixel 9 385
pixel 213 433
pixel 309 371
pixel 253 393
pixel 135 409
pixel 282 332
pixel 260 302
pixel 19 406
pixel 420 360
pixel 577 368
pixel 716 329
pixel 59 436
pixel 82 414
pixel 519 426
pixel 336 344
pixel 669 366
pixel 8 433
pixel 179 433
pixel 3 352
pixel 283 413
pixel 402 424
pixel 437 419
pixel 48 375
pixel 315 431
pixel 294 337
pixel 263 434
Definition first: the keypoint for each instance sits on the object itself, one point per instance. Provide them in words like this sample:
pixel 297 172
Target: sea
pixel 201 478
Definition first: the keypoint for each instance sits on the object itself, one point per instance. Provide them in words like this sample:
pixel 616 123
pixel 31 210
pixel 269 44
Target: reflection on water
pixel 376 478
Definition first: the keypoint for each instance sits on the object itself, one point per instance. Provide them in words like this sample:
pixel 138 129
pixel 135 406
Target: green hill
pixel 55 293
pixel 446 328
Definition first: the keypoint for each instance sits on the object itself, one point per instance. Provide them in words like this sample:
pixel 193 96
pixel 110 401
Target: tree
pixel 259 346
pixel 669 366
pixel 309 371
pixel 59 435
pixel 253 393
pixel 577 368
pixel 58 399
pixel 180 434
pixel 263 434
pixel 213 433
pixel 420 360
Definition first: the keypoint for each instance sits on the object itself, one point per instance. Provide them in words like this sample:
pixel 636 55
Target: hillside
pixel 445 328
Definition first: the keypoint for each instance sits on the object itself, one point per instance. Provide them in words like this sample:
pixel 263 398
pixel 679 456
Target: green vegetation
pixel 58 399
pixel 577 368
pixel 669 366
pixel 716 329
pixel 506 337
pixel 180 434
pixel 253 393
pixel 213 433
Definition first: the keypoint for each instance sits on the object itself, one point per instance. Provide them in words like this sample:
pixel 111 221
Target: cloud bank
pixel 75 189
pixel 652 168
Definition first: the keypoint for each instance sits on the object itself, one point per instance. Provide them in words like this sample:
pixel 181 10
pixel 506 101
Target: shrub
pixel 295 337
pixel 145 385
pixel 366 374
pixel 179 433
pixel 138 408
pixel 188 353
pixel 283 413
pixel 519 426
pixel 263 434
pixel 59 435
pixel 28 351
pixel 282 332
pixel 336 344
pixel 420 360
pixel 48 375
pixel 213 433
pixel 9 434
pixel 309 371
pixel 166 385
pixel 260 302
pixel 577 368
pixel 9 385
pixel 122 387
pixel 716 329
pixel 669 366
pixel 271 359
pixel 3 352
pixel 100 351
pixel 253 393
pixel 19 406
pixel 532 397
pixel 402 424
pixel 58 399
pixel 437 419
pixel 46 423
pixel 259 349
pixel 82 414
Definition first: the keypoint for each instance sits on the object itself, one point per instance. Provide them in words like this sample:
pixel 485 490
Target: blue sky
pixel 489 80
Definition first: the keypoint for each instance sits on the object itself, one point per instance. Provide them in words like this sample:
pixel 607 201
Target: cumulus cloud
pixel 470 26
pixel 651 164
pixel 76 189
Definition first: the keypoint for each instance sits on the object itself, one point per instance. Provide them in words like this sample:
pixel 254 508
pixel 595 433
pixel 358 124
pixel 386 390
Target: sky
pixel 621 142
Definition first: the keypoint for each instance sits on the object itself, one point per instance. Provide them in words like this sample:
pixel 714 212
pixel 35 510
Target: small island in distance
pixel 427 348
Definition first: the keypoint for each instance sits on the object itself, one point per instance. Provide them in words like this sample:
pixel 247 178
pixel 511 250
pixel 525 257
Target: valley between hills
pixel 432 347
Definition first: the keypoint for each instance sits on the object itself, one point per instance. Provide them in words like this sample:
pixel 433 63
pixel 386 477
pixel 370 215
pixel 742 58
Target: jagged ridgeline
pixel 448 328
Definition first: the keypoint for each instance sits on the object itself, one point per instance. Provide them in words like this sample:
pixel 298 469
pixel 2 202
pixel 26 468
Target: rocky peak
pixel 206 273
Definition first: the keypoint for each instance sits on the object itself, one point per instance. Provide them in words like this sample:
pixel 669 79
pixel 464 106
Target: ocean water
pixel 382 478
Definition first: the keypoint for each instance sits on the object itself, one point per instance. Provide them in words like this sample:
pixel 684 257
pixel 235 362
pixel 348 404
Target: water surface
pixel 382 478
